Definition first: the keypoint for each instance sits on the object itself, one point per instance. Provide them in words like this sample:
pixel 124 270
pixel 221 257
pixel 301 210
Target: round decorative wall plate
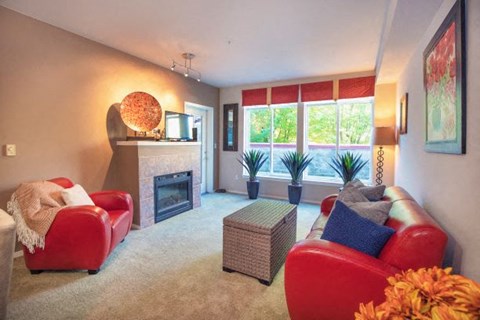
pixel 140 111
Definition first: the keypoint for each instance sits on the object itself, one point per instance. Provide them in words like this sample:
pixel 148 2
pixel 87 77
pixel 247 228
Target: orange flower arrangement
pixel 424 294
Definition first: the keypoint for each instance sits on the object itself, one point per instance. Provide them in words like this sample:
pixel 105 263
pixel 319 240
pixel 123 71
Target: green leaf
pixel 296 163
pixel 252 161
pixel 347 165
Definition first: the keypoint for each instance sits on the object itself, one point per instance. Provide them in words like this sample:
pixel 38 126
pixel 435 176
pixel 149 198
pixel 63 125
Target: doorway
pixel 203 123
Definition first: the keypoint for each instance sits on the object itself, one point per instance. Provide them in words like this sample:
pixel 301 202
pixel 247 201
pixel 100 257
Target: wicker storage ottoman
pixel 257 238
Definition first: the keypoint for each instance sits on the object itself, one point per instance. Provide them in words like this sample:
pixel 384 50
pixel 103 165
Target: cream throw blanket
pixel 34 206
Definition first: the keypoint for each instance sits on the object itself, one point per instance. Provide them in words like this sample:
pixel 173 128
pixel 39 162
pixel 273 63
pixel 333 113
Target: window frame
pixel 302 134
pixel 246 137
pixel 337 103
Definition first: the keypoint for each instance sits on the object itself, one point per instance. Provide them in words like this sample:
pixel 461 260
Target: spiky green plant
pixel 252 160
pixel 347 165
pixel 296 163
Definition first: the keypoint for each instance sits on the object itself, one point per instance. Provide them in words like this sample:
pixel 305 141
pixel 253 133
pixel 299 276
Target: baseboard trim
pixel 135 227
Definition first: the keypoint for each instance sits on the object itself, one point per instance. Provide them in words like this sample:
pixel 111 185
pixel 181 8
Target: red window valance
pixel 254 97
pixel 317 91
pixel 356 87
pixel 285 94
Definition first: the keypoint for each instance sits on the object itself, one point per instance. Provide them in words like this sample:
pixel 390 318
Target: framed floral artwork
pixel 445 85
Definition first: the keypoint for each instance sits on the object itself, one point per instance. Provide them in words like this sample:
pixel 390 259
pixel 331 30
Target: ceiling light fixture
pixel 186 68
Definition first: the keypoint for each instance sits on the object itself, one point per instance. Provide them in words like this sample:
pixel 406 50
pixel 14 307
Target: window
pixel 330 128
pixel 272 130
pixel 334 128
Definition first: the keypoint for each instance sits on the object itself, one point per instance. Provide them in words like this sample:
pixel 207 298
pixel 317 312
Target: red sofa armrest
pixel 326 280
pixel 113 200
pixel 327 204
pixel 79 238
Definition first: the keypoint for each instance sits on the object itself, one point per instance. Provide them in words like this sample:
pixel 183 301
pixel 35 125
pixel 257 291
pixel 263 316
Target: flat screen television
pixel 178 126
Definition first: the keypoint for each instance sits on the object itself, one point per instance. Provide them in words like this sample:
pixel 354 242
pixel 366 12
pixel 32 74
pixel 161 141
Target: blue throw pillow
pixel 346 227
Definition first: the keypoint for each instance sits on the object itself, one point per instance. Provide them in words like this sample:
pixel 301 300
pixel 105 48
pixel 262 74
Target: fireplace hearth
pixel 173 194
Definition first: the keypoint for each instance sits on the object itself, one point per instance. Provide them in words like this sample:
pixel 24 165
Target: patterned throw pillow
pixel 374 193
pixel 346 227
pixel 350 193
pixel 373 211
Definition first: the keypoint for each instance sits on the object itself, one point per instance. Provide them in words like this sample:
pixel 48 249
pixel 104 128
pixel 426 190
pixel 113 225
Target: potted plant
pixel 295 163
pixel 347 165
pixel 252 161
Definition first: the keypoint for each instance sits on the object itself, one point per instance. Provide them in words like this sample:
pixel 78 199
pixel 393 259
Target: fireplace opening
pixel 173 194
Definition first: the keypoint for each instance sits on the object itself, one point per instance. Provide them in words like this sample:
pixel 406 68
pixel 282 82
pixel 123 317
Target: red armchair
pixel 326 280
pixel 82 237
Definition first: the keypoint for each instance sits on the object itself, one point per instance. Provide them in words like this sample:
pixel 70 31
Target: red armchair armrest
pixel 327 204
pixel 326 280
pixel 112 200
pixel 79 238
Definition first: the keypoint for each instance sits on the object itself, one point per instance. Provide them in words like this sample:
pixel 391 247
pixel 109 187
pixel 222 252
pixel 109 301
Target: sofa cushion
pixel 76 196
pixel 374 211
pixel 346 227
pixel 350 193
pixel 372 193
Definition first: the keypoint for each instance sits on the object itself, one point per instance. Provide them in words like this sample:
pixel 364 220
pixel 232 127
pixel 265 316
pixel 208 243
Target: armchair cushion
pixel 346 227
pixel 76 196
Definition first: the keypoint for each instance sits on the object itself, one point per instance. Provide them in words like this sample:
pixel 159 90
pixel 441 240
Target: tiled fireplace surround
pixel 140 161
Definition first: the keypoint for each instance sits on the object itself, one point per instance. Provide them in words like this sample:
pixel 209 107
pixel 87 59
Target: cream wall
pixel 446 185
pixel 55 91
pixel 384 116
pixel 231 171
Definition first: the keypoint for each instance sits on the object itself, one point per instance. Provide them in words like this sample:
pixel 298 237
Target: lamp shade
pixel 384 136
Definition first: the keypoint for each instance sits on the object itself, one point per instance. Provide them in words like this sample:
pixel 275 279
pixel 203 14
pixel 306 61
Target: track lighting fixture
pixel 186 68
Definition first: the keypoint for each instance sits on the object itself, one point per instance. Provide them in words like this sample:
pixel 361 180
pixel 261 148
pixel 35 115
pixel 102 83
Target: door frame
pixel 209 179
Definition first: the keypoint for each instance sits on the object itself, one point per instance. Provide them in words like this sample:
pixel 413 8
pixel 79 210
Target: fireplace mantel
pixel 140 161
pixel 157 143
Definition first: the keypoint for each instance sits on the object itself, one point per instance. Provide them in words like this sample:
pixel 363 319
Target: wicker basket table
pixel 257 238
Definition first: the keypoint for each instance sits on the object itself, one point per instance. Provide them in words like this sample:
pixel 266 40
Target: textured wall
pixel 56 89
pixel 446 185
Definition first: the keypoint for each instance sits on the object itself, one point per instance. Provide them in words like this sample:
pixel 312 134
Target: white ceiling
pixel 250 41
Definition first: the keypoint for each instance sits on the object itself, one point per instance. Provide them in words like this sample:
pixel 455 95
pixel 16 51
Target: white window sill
pixel 307 181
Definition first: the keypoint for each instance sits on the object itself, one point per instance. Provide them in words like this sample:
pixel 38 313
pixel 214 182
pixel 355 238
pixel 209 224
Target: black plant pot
pixel 294 193
pixel 252 188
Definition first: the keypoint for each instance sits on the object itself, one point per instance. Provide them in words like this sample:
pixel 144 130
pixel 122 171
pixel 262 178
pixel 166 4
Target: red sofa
pixel 326 280
pixel 82 237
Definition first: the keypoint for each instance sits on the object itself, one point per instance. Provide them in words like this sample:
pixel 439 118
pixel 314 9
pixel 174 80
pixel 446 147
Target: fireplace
pixel 173 194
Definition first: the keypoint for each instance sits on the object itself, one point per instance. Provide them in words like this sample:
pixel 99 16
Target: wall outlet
pixel 10 150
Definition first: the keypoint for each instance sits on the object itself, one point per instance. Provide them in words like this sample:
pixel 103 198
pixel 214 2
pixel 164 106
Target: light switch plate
pixel 10 150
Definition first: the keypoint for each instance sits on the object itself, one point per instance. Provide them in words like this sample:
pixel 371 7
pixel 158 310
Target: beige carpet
pixel 172 270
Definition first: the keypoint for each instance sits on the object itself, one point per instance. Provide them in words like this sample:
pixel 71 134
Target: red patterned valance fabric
pixel 254 97
pixel 356 87
pixel 317 91
pixel 285 94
